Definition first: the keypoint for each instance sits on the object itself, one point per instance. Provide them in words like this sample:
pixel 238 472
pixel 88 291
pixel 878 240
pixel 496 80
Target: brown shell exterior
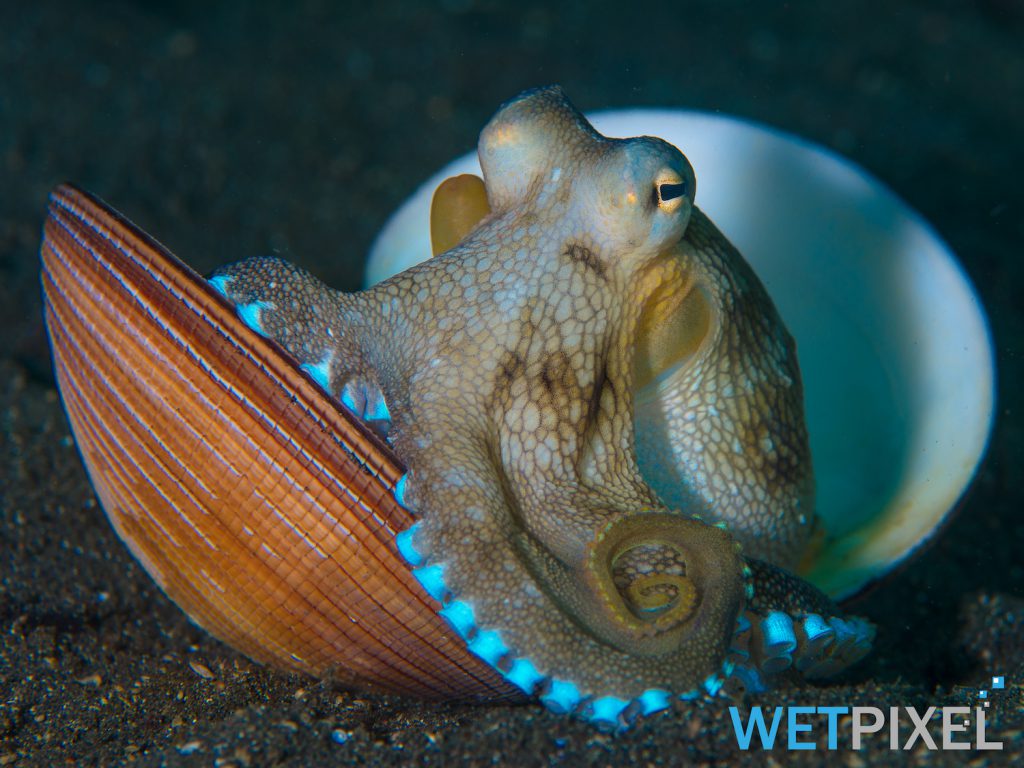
pixel 261 507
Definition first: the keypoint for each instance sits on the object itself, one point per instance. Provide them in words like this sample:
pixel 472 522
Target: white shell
pixel 893 343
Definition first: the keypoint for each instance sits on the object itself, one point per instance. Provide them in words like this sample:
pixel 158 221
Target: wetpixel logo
pixel 934 727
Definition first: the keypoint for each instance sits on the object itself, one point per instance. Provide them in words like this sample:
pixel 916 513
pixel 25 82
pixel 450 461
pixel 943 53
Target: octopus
pixel 582 287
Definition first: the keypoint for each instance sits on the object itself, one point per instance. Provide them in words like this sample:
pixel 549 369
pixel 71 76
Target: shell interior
pixel 894 346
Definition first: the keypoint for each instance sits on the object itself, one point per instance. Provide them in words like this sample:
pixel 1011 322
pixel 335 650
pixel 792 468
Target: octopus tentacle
pixel 530 634
pixel 539 629
pixel 316 325
pixel 616 698
pixel 521 608
pixel 789 624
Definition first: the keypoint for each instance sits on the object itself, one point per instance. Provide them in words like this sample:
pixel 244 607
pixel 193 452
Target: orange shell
pixel 260 506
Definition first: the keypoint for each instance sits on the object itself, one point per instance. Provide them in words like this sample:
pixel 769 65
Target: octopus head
pixel 638 198
pixel 630 199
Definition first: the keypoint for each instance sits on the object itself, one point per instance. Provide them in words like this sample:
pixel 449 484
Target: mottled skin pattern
pixel 510 370
pixel 724 434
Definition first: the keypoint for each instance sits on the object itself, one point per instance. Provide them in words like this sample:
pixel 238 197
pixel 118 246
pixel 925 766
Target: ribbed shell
pixel 260 506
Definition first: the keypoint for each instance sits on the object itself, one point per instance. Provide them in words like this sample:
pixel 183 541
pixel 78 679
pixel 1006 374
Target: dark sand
pixel 228 133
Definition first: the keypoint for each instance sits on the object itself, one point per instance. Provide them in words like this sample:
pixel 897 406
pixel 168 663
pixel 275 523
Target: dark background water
pixel 228 130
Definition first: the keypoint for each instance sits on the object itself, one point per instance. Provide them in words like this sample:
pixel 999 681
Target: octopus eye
pixel 668 192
